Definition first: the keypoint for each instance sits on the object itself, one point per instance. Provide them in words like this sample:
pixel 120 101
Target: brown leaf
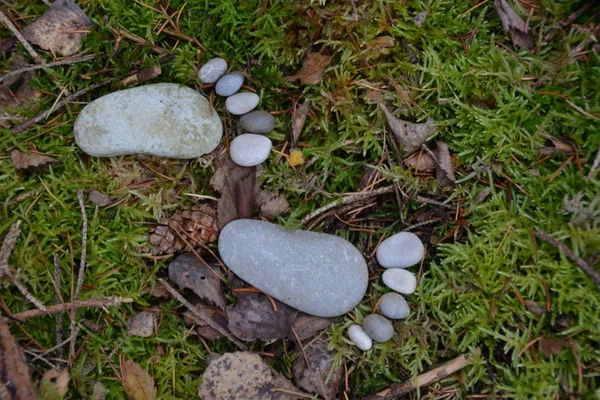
pixel 15 91
pixel 534 308
pixel 420 161
pixel 60 29
pixel 514 25
pixel 313 377
pixel 410 135
pixel 34 162
pixel 275 207
pixel 312 69
pixel 13 368
pixel 54 384
pixel 137 383
pixel 557 146
pixel 99 199
pixel 298 119
pixel 235 376
pixel 306 326
pixel 142 324
pixel 225 180
pixel 444 169
pixel 550 347
pixel 253 318
pixel 187 272
pixel 196 226
pixel 203 329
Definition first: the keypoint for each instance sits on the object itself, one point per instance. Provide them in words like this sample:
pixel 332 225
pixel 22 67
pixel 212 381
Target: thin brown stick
pixel 34 67
pixel 98 302
pixel 436 374
pixel 57 283
pixel 595 165
pixel 347 200
pixel 585 267
pixel 84 228
pixel 201 314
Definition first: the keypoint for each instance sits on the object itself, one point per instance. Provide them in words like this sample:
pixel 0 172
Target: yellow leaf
pixel 136 382
pixel 296 158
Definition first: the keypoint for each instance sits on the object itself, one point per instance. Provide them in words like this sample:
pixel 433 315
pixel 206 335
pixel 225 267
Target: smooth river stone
pixel 258 122
pixel 318 273
pixel 402 250
pixel 163 119
pixel 229 83
pixel 242 103
pixel 212 70
pixel 400 280
pixel 393 306
pixel 380 329
pixel 248 150
pixel 360 338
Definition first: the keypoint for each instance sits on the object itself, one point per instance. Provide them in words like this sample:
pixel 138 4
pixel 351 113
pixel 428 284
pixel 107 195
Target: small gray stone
pixel 242 103
pixel 320 274
pixel 229 83
pixel 402 250
pixel 258 122
pixel 400 280
pixel 393 306
pixel 248 150
pixel 360 338
pixel 212 70
pixel 380 329
pixel 164 119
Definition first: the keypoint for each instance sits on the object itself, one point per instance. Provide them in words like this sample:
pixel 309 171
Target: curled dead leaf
pixel 60 29
pixel 317 377
pixel 420 161
pixel 298 119
pixel 555 145
pixel 409 134
pixel 137 383
pixel 187 272
pixel 312 69
pixel 33 162
pixel 513 25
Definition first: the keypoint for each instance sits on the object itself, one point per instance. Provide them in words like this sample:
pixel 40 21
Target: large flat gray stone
pixel 164 119
pixel 317 273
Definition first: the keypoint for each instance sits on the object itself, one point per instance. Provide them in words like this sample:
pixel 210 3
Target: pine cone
pixel 197 225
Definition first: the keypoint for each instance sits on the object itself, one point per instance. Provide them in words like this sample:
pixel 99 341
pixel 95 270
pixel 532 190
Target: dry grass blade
pixel 99 302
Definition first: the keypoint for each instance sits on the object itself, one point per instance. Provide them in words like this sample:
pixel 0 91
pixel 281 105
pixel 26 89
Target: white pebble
pixel 400 280
pixel 242 103
pixel 212 70
pixel 360 338
pixel 248 150
pixel 393 306
pixel 400 251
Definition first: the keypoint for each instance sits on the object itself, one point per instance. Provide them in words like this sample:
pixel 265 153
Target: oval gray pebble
pixel 212 70
pixel 241 103
pixel 380 329
pixel 258 122
pixel 248 150
pixel 393 306
pixel 229 83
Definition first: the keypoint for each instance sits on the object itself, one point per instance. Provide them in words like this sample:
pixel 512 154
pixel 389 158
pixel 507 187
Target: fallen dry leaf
pixel 13 368
pixel 483 194
pixel 54 384
pixel 60 29
pixel 203 329
pixel 410 135
pixel 99 199
pixel 137 383
pixel 444 170
pixel 253 318
pixel 142 76
pixel 534 308
pixel 298 119
pixel 142 324
pixel 550 347
pixel 34 162
pixel 312 69
pixel 187 272
pixel 555 145
pixel 420 161
pixel 313 377
pixel 234 376
pixel 306 326
pixel 185 230
pixel 275 207
pixel 513 25
pixel 381 45
pixel 15 91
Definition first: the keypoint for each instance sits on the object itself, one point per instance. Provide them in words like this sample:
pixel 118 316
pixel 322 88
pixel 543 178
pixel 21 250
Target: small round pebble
pixel 230 83
pixel 402 250
pixel 380 329
pixel 258 122
pixel 400 280
pixel 242 103
pixel 248 150
pixel 360 338
pixel 393 306
pixel 212 70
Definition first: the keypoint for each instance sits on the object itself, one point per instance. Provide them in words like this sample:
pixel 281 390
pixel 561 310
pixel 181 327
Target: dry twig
pixel 98 302
pixel 588 269
pixel 27 68
pixel 58 299
pixel 81 274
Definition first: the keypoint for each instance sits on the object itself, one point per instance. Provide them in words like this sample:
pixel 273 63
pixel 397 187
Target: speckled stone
pixel 229 83
pixel 318 273
pixel 163 119
pixel 242 103
pixel 212 70
pixel 380 329
pixel 393 306
pixel 402 250
pixel 258 122
pixel 248 150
